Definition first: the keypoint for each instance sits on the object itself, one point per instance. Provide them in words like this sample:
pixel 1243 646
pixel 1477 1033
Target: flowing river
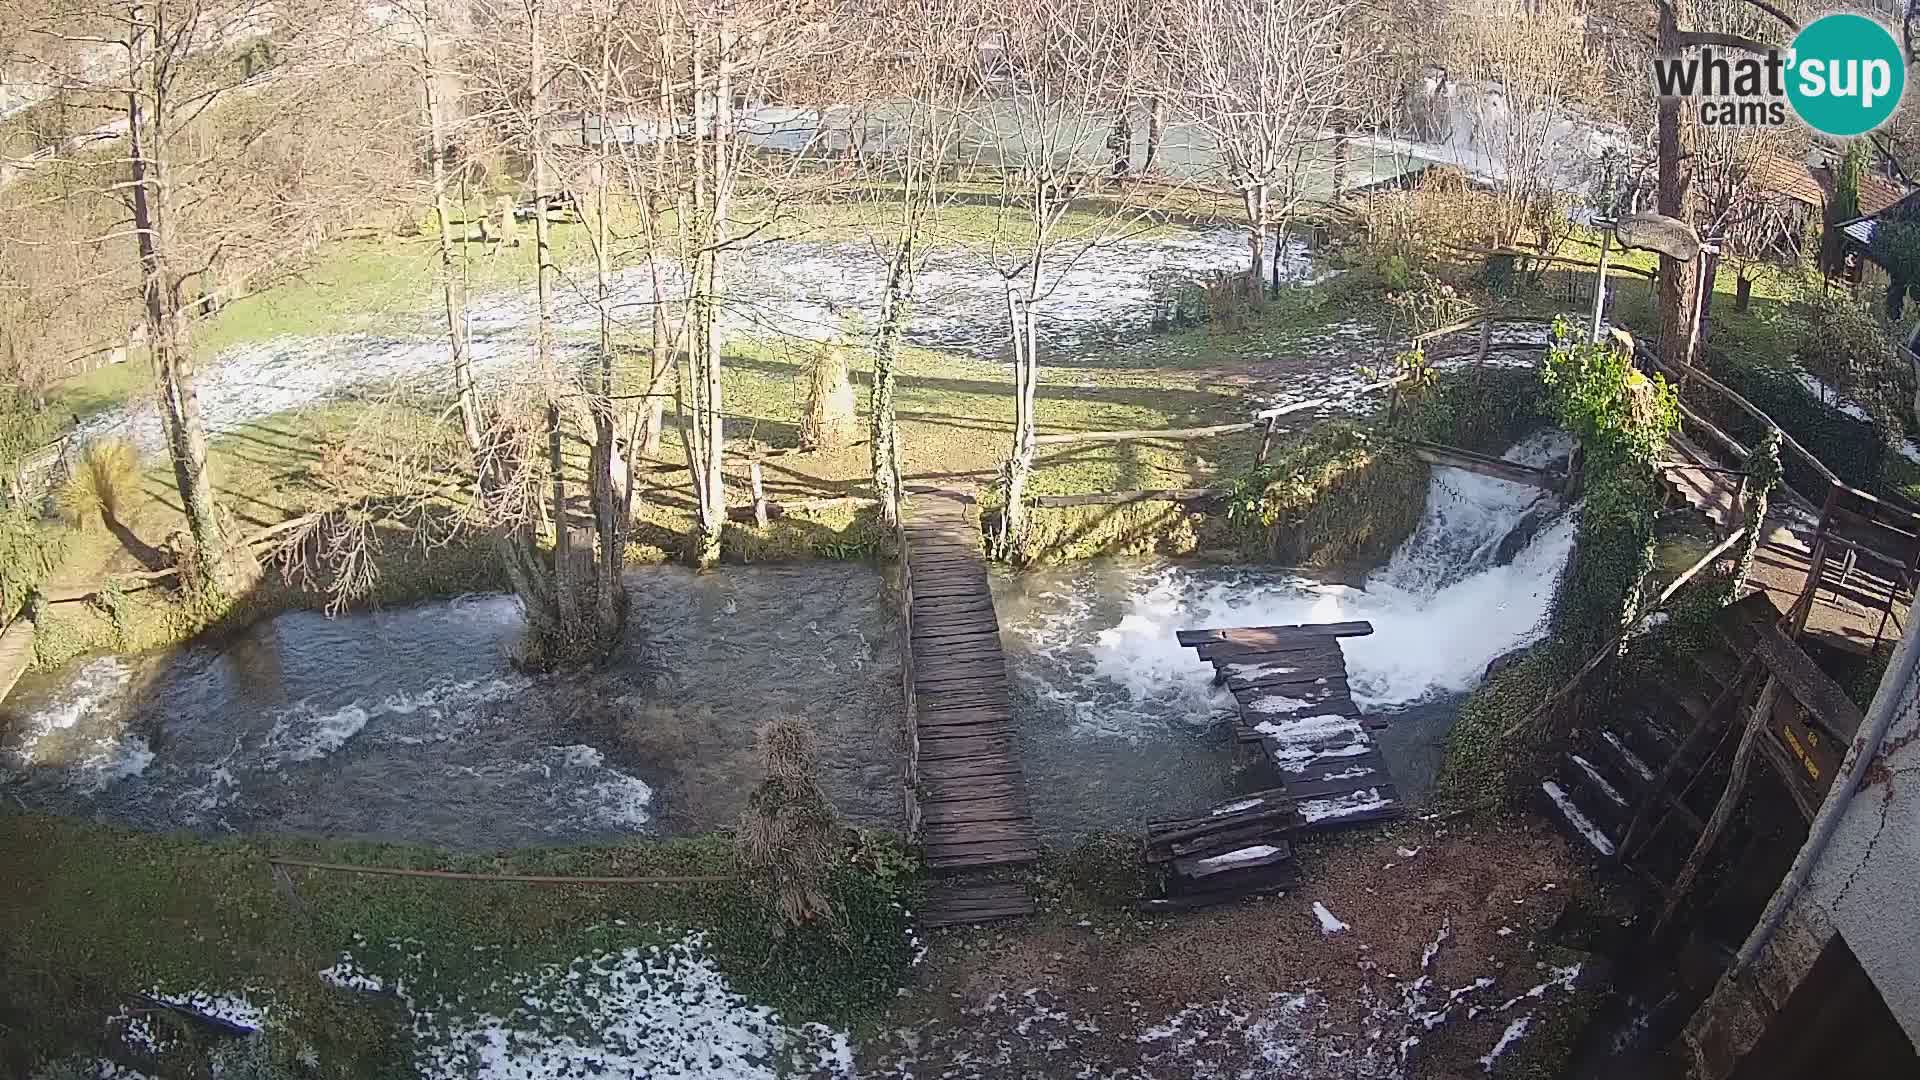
pixel 412 723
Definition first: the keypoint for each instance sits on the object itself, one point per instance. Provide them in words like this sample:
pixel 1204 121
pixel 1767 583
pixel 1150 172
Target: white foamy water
pixel 801 291
pixel 1463 590
pixel 62 737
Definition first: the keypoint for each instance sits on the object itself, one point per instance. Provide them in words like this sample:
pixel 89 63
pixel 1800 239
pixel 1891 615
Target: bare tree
pixel 1264 80
pixel 231 153
pixel 922 71
pixel 1522 79
pixel 1073 67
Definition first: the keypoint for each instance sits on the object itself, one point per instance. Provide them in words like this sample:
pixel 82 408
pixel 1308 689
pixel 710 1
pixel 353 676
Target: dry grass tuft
pixel 789 834
pixel 102 483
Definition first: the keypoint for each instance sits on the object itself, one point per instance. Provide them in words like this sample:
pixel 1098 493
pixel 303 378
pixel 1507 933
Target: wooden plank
pixel 1251 802
pixel 1198 867
pixel 1265 634
pixel 1498 468
pixel 962 744
pixel 937 771
pixel 1271 814
pixel 983 860
pixel 965 717
pixel 1825 701
pixel 1332 685
pixel 1233 650
pixel 971 815
pixel 1257 833
pixel 973 788
pixel 1388 809
pixel 1339 782
pixel 1274 879
pixel 1117 498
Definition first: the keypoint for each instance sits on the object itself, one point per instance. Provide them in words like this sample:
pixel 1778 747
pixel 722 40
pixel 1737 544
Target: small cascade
pixel 1118 722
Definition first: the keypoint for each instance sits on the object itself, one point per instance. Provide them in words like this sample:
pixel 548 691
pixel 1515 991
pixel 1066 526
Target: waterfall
pixel 1473 582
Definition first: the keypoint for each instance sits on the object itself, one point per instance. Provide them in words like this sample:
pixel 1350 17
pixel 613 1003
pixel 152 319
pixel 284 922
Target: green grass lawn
pixel 95 915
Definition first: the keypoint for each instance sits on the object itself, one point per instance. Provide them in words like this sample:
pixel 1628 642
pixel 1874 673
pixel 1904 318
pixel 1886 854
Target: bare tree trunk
pixel 884 436
pixel 1013 522
pixel 219 564
pixel 565 589
pixel 713 187
pixel 1342 146
pixel 1674 143
pixel 1256 200
pixel 452 287
pixel 1156 123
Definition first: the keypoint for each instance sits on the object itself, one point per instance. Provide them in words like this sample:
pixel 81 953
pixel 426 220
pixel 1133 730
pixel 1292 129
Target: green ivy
pixel 1620 418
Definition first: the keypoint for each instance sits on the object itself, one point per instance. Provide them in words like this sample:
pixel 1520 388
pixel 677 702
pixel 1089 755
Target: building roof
pixel 1785 176
pixel 1814 186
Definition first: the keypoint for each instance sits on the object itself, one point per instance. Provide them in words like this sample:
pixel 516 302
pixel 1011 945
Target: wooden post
pixel 759 495
pixel 1600 285
pixel 1486 340
pixel 1723 810
pixel 1266 441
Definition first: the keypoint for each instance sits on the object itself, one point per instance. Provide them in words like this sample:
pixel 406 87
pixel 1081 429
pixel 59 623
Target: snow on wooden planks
pixel 1233 850
pixel 1291 686
pixel 968 789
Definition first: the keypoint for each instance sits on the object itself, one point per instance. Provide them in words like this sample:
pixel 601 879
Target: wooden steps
pixel 1236 849
pixel 1714 494
pixel 968 793
pixel 1296 712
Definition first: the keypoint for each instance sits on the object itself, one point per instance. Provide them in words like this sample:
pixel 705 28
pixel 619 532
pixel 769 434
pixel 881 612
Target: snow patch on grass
pixel 661 1011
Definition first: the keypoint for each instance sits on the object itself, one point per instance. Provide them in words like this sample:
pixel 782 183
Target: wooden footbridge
pixel 966 793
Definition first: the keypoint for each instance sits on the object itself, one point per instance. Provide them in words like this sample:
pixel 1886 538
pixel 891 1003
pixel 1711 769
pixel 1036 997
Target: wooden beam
pixel 1703 732
pixel 1273 635
pixel 1748 407
pixel 1499 468
pixel 1732 444
pixel 1823 698
pixel 1070 437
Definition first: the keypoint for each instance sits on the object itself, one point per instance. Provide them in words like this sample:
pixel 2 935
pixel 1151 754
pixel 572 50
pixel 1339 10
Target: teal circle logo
pixel 1845 74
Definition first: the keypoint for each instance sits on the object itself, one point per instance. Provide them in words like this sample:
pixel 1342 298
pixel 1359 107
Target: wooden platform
pixel 1297 710
pixel 967 796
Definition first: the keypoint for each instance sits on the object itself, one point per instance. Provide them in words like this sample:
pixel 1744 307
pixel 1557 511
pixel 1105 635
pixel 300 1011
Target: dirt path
pixel 1447 949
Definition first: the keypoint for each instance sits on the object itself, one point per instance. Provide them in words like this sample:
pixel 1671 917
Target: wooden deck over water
pixel 1296 708
pixel 967 799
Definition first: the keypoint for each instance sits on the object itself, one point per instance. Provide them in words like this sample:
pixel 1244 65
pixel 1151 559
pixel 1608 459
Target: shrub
pixel 1844 346
pixel 1855 449
pixel 26 557
pixel 789 833
pixel 1621 419
pixel 102 482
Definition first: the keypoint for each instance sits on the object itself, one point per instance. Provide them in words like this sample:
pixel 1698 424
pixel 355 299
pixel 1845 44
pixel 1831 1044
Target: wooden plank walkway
pixel 1297 709
pixel 967 793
